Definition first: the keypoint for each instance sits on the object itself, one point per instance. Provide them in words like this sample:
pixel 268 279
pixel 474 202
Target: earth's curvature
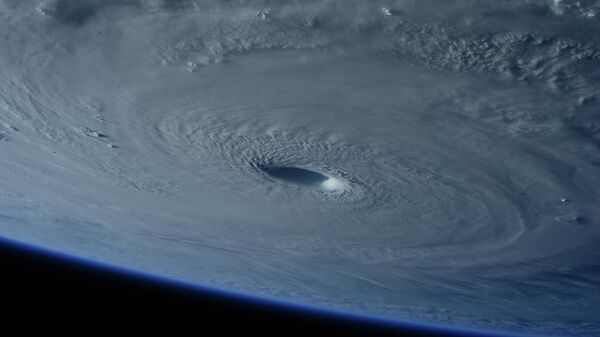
pixel 432 161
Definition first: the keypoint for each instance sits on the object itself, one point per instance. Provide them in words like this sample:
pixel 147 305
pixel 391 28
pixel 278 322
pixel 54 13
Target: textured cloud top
pixel 427 160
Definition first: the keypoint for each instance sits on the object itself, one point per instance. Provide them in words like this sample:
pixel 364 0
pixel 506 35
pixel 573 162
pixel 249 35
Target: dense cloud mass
pixel 428 160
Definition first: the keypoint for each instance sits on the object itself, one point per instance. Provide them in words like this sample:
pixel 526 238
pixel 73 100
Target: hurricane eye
pixel 296 175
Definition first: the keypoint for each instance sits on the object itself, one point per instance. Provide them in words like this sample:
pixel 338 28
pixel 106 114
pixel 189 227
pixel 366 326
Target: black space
pixel 45 294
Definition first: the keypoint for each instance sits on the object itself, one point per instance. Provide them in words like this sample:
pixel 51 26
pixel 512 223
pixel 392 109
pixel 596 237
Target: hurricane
pixel 430 161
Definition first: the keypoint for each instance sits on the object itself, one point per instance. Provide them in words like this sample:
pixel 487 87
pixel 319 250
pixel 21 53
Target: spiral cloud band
pixel 427 160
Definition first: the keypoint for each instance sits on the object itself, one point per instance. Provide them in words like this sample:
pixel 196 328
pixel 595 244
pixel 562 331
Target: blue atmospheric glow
pixel 242 298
